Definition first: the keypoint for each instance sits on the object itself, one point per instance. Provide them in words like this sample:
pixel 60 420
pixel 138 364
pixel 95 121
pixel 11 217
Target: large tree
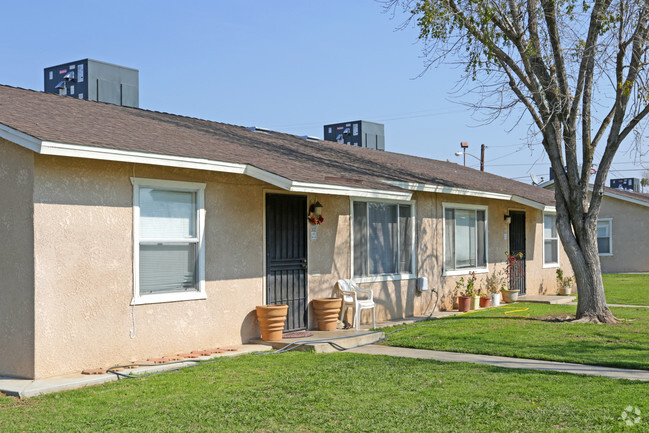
pixel 578 68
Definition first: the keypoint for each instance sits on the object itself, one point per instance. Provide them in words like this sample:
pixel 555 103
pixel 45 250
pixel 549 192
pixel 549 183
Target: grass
pixel 629 289
pixel 341 392
pixel 527 333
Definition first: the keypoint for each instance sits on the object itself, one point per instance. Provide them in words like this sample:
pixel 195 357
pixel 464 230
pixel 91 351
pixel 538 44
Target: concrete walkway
pixel 618 305
pixel 501 361
pixel 30 388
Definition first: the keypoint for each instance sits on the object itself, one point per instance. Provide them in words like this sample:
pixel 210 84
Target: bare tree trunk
pixel 591 304
pixel 581 249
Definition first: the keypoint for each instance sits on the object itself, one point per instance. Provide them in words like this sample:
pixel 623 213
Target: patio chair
pixel 350 291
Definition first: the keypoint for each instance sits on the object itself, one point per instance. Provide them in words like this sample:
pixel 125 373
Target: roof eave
pixel 108 154
pixel 415 186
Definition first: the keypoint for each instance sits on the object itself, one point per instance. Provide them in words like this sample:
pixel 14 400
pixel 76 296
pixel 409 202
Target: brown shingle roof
pixel 643 197
pixel 60 119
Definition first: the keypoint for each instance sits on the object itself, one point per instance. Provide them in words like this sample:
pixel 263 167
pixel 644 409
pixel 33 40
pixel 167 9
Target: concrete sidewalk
pixel 30 388
pixel 501 361
pixel 618 305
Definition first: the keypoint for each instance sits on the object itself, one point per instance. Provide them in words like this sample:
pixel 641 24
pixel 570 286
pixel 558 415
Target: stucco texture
pixel 539 280
pixel 83 245
pixel 82 255
pixel 16 261
pixel 629 228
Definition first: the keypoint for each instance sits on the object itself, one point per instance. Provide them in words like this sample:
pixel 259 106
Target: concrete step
pixel 326 341
pixel 547 299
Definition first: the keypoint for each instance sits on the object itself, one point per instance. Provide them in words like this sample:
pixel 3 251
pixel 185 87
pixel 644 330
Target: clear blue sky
pixel 289 65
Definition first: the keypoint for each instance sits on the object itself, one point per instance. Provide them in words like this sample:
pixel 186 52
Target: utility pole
pixel 482 148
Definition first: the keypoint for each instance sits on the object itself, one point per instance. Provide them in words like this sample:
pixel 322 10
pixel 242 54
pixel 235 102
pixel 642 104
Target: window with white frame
pixel 168 240
pixel 383 238
pixel 604 238
pixel 465 238
pixel 550 240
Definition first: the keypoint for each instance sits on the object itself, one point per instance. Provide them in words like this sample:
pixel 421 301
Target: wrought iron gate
pixel 516 246
pixel 286 256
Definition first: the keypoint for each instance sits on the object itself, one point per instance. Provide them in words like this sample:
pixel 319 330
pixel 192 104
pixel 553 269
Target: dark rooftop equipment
pixel 95 81
pixel 359 133
pixel 629 184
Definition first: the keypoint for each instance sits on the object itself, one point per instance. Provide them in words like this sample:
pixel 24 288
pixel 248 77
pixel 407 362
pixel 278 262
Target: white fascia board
pixel 79 151
pixel 20 138
pixel 528 202
pixel 267 177
pixel 349 191
pixel 413 186
pixel 624 198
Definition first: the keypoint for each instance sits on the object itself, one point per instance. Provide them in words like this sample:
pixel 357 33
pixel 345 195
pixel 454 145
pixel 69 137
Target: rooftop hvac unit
pixel 95 81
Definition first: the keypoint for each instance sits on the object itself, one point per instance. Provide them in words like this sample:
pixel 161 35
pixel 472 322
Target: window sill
pixel 168 297
pixel 465 272
pixel 380 278
pixel 550 265
pixel 606 255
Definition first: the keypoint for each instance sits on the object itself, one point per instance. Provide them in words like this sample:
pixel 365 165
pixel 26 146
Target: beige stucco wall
pixel 539 279
pixel 629 228
pixel 83 248
pixel 16 261
pixel 329 257
pixel 84 267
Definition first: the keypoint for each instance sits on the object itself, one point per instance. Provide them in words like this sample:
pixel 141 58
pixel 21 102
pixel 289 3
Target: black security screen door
pixel 286 256
pixel 517 245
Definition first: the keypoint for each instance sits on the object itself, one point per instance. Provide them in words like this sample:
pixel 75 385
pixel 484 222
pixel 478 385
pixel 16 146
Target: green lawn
pixel 341 392
pixel 535 333
pixel 629 289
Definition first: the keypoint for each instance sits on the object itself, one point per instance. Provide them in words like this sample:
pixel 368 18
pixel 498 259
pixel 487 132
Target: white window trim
pixel 384 277
pixel 551 265
pixel 199 189
pixel 465 271
pixel 610 236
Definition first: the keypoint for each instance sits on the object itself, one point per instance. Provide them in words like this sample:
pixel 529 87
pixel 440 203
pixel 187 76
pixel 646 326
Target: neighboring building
pixel 95 81
pixel 622 230
pixel 130 234
pixel 621 227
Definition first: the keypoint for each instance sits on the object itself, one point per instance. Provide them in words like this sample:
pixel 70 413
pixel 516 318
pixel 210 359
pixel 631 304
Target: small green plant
pixel 563 281
pixel 466 288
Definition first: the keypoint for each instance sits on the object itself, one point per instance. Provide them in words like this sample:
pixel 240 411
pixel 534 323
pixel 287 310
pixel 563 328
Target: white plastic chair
pixel 350 291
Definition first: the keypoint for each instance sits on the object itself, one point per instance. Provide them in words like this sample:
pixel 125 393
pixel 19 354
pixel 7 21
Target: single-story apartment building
pixel 623 220
pixel 128 234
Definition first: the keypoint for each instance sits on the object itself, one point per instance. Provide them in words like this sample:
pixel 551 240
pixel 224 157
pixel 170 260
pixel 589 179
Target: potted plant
pixel 512 271
pixel 485 299
pixel 470 290
pixel 564 283
pixel 463 296
pixel 495 282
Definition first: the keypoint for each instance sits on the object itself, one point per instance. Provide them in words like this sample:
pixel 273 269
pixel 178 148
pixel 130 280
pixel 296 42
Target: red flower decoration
pixel 315 221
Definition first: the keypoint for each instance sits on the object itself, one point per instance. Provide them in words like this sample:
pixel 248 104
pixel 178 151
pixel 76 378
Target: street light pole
pixel 481 159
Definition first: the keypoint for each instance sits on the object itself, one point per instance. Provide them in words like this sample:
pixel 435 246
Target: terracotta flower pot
pixel 326 312
pixel 271 321
pixel 485 301
pixel 463 303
